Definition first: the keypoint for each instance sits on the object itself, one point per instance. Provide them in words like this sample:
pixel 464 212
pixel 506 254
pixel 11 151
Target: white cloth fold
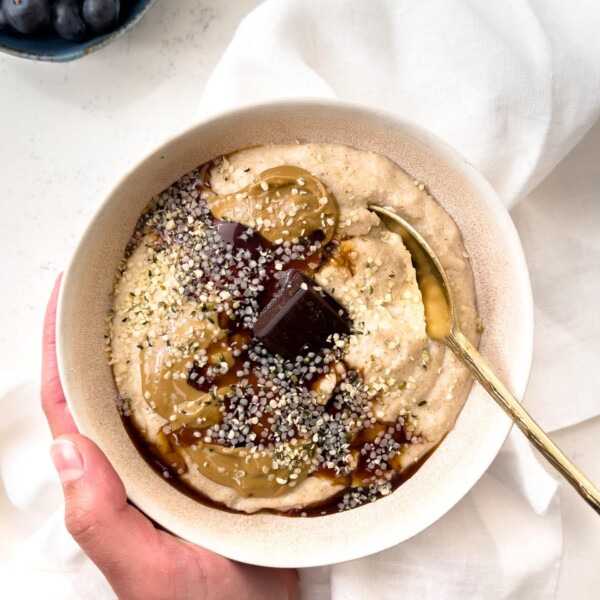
pixel 514 86
pixel 38 557
pixel 559 225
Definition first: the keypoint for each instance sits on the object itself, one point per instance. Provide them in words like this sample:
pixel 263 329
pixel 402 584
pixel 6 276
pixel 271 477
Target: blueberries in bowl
pixel 73 20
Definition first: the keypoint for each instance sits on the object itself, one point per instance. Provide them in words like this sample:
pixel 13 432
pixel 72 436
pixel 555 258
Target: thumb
pixel 97 515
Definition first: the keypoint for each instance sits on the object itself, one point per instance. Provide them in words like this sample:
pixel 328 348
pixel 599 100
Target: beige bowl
pixel 504 301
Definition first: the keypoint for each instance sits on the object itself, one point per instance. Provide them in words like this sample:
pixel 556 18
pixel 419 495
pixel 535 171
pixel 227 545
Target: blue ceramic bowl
pixel 53 48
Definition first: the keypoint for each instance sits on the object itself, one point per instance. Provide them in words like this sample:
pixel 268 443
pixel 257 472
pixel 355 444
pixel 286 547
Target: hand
pixel 138 560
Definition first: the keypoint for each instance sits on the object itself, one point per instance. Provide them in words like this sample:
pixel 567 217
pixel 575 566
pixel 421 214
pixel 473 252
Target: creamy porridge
pixel 268 336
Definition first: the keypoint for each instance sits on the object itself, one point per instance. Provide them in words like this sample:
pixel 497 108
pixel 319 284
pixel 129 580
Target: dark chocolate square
pixel 299 318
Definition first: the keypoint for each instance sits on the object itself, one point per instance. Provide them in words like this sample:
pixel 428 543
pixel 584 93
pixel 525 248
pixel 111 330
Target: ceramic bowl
pixel 53 48
pixel 504 302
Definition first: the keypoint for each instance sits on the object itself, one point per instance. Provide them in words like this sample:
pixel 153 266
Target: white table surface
pixel 68 130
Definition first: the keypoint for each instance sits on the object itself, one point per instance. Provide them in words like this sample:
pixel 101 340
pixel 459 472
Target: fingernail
pixel 67 460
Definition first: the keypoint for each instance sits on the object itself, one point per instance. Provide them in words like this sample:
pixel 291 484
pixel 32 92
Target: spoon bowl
pixel 442 326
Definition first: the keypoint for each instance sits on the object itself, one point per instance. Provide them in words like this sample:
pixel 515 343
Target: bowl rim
pixel 485 192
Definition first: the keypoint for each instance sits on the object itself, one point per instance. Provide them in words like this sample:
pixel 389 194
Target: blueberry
pixel 4 26
pixel 67 20
pixel 27 16
pixel 101 15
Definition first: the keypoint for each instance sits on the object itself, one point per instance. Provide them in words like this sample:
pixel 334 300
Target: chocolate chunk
pixel 299 319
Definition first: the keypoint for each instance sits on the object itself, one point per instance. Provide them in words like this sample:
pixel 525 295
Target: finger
pixel 138 560
pixel 53 399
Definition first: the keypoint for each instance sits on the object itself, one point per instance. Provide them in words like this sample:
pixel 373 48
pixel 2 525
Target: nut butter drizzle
pixel 249 419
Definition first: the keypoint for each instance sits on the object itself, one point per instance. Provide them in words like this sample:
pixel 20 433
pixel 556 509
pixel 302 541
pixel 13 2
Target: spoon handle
pixel 468 354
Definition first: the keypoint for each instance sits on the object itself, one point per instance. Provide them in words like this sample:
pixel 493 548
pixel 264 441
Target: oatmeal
pixel 268 335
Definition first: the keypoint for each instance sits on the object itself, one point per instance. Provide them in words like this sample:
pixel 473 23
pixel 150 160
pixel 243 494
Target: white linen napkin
pixel 38 557
pixel 513 86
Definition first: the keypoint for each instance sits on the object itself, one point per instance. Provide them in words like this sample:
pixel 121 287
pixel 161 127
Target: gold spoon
pixel 441 325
